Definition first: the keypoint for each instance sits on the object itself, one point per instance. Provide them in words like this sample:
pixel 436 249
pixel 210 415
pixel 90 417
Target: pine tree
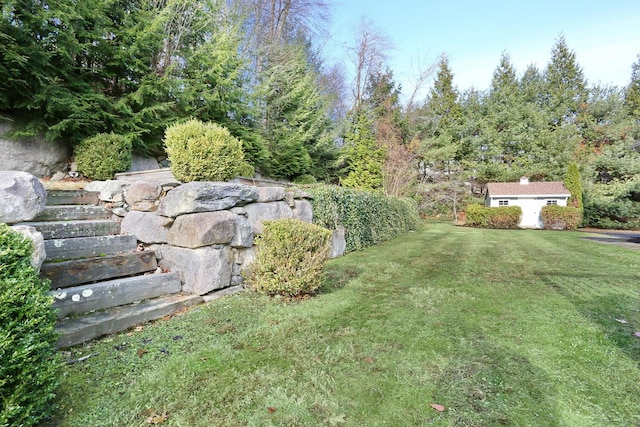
pixel 364 157
pixel 632 93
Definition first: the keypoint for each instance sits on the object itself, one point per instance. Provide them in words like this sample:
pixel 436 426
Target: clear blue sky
pixel 604 34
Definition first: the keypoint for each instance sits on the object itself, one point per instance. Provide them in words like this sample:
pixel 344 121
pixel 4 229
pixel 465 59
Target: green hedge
pixel 561 217
pixel 28 362
pixel 497 217
pixel 369 218
pixel 290 258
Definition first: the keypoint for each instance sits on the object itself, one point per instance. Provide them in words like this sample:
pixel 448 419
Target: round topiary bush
pixel 103 155
pixel 290 258
pixel 28 361
pixel 204 152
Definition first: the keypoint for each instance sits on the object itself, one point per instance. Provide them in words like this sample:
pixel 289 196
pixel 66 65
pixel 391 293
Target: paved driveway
pixel 625 238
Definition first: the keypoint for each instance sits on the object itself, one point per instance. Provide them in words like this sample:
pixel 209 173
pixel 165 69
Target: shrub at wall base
pixel 290 258
pixel 496 217
pixel 561 217
pixel 28 362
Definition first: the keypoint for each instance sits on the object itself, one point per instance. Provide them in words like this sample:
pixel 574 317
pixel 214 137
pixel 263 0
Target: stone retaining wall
pixel 204 231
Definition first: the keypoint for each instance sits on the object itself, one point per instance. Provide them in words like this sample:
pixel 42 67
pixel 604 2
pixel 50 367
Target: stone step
pixel 112 293
pixel 72 229
pixel 75 272
pixel 88 247
pixel 78 330
pixel 71 197
pixel 73 212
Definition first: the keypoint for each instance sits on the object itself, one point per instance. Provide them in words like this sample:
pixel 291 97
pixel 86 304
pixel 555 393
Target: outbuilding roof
pixel 511 189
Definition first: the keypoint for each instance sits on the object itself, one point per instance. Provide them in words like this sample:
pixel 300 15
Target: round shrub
pixel 290 258
pixel 28 362
pixel 204 152
pixel 103 155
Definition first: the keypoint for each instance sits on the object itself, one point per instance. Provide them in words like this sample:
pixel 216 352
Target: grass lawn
pixel 514 328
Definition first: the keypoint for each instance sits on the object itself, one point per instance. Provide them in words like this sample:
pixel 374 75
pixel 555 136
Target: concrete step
pixel 73 212
pixel 88 247
pixel 113 293
pixel 75 272
pixel 72 229
pixel 71 197
pixel 78 330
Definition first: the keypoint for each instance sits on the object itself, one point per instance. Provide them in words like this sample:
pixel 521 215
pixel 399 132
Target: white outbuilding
pixel 530 196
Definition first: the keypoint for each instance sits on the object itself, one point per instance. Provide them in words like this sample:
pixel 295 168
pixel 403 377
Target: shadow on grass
pixel 337 276
pixel 488 385
pixel 613 311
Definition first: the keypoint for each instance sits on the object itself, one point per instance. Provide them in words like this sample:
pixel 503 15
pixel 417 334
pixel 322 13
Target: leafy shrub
pixel 103 155
pixel 204 152
pixel 561 217
pixel 290 258
pixel 369 218
pixel 497 217
pixel 28 363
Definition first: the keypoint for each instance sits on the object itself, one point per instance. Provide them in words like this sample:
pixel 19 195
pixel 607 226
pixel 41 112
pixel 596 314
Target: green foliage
pixel 573 183
pixel 364 156
pixel 28 362
pixel 561 217
pixel 204 152
pixel 369 218
pixel 296 121
pixel 290 258
pixel 496 217
pixel 103 155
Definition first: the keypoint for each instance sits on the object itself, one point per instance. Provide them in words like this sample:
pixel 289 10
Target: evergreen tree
pixel 364 157
pixel 566 88
pixel 632 93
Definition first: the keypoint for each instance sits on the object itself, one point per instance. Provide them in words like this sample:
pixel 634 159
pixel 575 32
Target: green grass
pixel 513 328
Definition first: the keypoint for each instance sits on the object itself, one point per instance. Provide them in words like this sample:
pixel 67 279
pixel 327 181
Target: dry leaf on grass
pixel 437 407
pixel 621 321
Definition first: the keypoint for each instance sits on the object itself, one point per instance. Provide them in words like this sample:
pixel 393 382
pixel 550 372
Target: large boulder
pixel 33 155
pixel 243 233
pixel 109 191
pixel 338 243
pixel 39 255
pixel 146 226
pixel 143 196
pixel 196 197
pixel 260 212
pixel 202 229
pixel 303 210
pixel 270 194
pixel 201 270
pixel 22 197
pixel 140 162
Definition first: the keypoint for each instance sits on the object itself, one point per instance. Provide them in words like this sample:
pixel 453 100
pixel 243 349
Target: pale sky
pixel 605 35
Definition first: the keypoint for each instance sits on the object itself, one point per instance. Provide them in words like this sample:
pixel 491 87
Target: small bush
pixel 497 217
pixel 28 363
pixel 290 258
pixel 204 152
pixel 102 156
pixel 369 218
pixel 561 217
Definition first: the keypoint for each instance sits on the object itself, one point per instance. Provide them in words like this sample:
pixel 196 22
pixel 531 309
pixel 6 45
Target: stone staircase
pixel 101 281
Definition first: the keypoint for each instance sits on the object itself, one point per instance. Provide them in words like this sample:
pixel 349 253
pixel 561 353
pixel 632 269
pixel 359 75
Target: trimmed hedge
pixel 290 258
pixel 102 156
pixel 201 151
pixel 496 217
pixel 28 360
pixel 561 217
pixel 369 218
